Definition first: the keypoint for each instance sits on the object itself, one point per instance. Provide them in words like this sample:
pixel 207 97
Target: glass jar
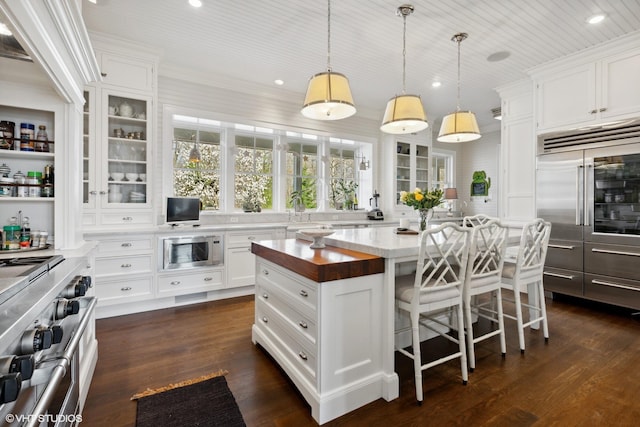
pixel 22 190
pixel 42 139
pixel 11 236
pixel 34 183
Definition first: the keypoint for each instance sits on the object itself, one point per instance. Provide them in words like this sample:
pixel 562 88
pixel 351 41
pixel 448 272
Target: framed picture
pixel 480 184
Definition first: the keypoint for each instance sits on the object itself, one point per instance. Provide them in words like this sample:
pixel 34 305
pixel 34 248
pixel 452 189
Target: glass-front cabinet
pixel 126 152
pixel 617 194
pixel 412 167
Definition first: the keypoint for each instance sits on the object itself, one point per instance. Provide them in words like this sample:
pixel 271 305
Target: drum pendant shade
pixel 404 114
pixel 328 97
pixel 460 126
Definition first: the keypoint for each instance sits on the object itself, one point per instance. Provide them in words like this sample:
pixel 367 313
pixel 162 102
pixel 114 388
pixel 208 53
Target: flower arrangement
pixel 422 200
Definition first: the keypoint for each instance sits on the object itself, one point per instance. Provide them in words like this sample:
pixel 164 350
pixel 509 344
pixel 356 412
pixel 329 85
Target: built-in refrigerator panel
pixel 612 183
pixel 559 188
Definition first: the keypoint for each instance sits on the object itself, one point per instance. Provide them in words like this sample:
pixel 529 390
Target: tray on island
pixel 405 231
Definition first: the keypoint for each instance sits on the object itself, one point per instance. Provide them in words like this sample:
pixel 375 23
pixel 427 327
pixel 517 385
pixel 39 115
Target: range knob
pixel 66 307
pixel 86 280
pixel 24 365
pixel 9 387
pixel 57 334
pixel 36 340
pixel 75 290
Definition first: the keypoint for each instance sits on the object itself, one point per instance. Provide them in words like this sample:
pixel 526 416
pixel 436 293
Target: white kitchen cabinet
pixel 588 93
pixel 124 266
pixel 239 260
pixel 411 166
pixel 125 71
pixel 117 161
pixel 323 335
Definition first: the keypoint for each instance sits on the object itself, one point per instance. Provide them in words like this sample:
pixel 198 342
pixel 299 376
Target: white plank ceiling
pixel 258 41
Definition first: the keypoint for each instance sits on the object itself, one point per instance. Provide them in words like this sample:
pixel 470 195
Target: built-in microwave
pixel 191 251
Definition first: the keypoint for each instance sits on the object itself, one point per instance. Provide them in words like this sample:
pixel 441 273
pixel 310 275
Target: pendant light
pixel 460 126
pixel 404 113
pixel 194 154
pixel 328 94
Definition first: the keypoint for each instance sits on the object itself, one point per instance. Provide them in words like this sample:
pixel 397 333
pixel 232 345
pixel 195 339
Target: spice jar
pixel 34 179
pixel 21 181
pixel 43 239
pixel 42 140
pixel 27 135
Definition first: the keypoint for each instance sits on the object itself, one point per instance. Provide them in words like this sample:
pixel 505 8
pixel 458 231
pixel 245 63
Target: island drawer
pixel 305 325
pixel 300 356
pixel 301 292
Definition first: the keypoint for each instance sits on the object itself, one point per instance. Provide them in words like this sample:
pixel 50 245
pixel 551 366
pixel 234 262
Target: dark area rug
pixel 205 402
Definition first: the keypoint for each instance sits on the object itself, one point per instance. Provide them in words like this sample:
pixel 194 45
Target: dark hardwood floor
pixel 586 375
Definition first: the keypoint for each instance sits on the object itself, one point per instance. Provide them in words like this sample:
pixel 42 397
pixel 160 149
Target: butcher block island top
pixel 320 265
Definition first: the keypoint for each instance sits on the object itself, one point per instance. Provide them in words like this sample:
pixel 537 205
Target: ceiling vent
pixel 626 132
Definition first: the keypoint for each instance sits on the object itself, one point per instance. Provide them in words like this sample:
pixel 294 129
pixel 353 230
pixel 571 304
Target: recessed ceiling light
pixel 596 19
pixel 4 30
pixel 195 3
pixel 436 84
pixel 279 82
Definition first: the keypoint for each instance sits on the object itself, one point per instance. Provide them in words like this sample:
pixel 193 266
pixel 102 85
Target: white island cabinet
pixel 318 315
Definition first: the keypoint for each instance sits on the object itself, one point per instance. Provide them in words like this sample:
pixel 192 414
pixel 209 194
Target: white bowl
pixel 117 176
pixel 131 176
pixel 317 234
pixel 142 176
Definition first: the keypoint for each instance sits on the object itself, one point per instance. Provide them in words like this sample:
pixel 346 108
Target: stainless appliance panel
pixel 613 290
pixel 566 254
pixel 612 260
pixel 568 282
pixel 559 181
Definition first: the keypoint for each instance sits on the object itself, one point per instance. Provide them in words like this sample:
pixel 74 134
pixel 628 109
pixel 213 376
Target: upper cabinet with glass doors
pixel 412 167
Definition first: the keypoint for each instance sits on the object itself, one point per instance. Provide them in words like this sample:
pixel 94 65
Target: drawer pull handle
pixel 304 293
pixel 125 265
pixel 251 237
pixel 103 192
pixel 302 355
pixel 265 295
pixel 126 218
pixel 208 279
pixel 175 283
pixel 302 324
pixel 265 272
pixel 614 285
pixel 265 320
pixel 605 251
pixel 562 276
pixel 562 247
pixel 126 245
pixel 125 288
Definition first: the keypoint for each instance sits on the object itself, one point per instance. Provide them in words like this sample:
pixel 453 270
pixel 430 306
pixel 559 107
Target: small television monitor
pixel 183 209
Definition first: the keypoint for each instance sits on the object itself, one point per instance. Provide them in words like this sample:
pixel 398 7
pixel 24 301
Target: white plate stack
pixel 136 197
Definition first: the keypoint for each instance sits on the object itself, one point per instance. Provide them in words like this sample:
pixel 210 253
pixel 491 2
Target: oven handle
pixel 60 369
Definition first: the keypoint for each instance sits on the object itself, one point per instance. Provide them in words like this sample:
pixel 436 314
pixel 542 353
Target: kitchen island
pixel 318 315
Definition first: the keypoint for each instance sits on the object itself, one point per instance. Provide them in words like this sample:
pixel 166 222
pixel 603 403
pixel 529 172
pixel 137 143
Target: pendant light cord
pixel 458 99
pixel 404 53
pixel 329 35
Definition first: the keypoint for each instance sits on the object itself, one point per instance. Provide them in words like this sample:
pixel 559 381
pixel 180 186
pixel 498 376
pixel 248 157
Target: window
pixel 253 182
pixel 342 177
pixel 197 179
pixel 302 174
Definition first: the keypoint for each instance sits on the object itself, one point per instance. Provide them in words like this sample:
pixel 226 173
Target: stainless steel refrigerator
pixel 588 187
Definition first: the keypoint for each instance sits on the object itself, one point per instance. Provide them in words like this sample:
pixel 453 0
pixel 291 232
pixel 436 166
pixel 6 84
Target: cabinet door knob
pixel 175 283
pixel 93 192
pixel 603 109
pixel 304 293
pixel 265 295
pixel 593 111
pixel 265 272
pixel 125 288
pixel 302 355
pixel 126 266
pixel 265 320
pixel 103 74
pixel 126 218
pixel 251 238
pixel 302 324
pixel 103 192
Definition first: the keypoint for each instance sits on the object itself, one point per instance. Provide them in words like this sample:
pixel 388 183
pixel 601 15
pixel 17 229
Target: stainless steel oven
pixel 190 251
